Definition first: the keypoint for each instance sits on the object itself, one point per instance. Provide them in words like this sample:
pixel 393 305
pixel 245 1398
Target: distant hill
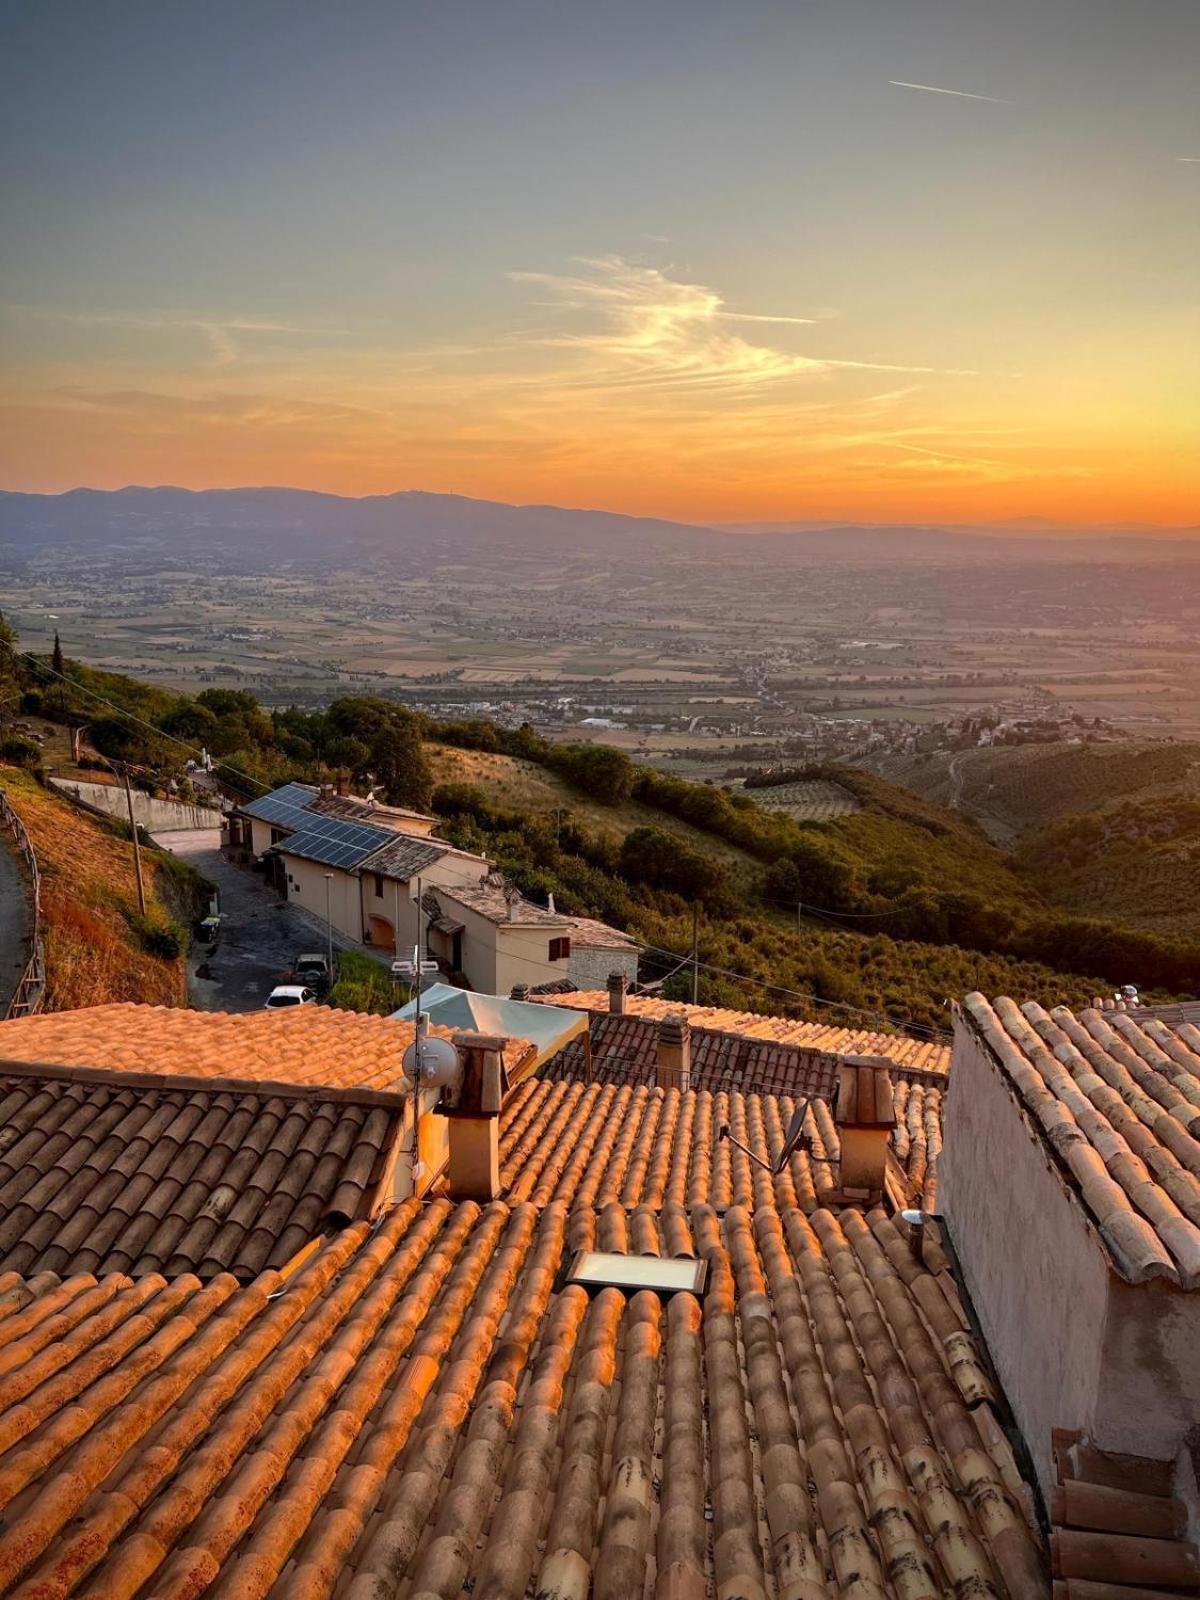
pixel 1012 789
pixel 1104 830
pixel 264 527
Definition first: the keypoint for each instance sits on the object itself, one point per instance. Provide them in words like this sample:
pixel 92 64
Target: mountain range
pixel 274 524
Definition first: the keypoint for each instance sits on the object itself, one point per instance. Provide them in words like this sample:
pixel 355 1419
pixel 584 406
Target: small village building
pixel 496 939
pixel 365 866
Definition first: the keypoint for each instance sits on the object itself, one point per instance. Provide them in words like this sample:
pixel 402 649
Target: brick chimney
pixel 343 781
pixel 519 991
pixel 673 1067
pixel 473 1112
pixel 617 984
pixel 865 1117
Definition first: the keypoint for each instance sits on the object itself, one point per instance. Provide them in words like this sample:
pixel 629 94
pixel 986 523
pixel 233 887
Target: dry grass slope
pixel 524 786
pixel 89 898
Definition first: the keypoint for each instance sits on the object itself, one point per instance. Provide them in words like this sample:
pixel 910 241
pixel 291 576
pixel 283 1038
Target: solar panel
pixel 285 806
pixel 353 843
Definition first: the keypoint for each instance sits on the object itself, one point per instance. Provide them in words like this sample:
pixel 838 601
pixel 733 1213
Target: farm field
pixel 808 800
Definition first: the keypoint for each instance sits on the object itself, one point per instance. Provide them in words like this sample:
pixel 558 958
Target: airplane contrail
pixel 961 94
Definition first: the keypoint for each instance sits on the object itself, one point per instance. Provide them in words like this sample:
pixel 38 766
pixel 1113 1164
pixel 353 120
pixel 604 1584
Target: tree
pixel 57 664
pixel 398 763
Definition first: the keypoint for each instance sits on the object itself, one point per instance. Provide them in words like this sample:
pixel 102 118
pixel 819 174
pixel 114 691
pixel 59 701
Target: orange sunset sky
pixel 927 261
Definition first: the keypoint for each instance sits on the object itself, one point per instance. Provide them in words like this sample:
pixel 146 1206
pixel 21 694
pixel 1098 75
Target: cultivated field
pixel 808 800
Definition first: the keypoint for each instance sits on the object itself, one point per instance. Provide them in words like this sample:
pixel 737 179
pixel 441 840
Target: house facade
pixel 366 867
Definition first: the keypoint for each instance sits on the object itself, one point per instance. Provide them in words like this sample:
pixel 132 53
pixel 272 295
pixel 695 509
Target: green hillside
pixel 1137 861
pixel 894 906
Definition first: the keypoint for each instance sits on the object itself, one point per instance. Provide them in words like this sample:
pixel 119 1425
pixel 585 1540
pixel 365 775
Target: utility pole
pixel 137 849
pixel 799 916
pixel 695 953
pixel 329 924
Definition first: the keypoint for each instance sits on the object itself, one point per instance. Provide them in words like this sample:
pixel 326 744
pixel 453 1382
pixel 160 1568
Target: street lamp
pixel 329 924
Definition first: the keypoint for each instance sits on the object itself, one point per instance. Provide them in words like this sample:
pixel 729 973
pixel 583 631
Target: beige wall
pixel 498 955
pixel 306 888
pixel 1074 1344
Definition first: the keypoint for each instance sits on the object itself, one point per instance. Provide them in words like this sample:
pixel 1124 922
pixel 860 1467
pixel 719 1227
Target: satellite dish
pixel 431 1063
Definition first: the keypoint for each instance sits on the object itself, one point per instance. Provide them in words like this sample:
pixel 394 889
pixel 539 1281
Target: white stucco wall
pixel 1075 1345
pixel 1033 1265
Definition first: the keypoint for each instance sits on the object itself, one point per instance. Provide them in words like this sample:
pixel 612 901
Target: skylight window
pixel 662 1275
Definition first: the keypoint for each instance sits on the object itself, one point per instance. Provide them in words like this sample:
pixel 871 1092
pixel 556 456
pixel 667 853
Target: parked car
pixel 312 969
pixel 290 994
pixel 208 930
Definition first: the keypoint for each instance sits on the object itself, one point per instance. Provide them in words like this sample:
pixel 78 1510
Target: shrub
pixel 166 940
pixel 19 752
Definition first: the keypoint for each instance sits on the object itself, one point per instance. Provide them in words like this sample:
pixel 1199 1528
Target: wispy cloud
pixel 648 330
pixel 1190 160
pixel 959 94
pixel 225 336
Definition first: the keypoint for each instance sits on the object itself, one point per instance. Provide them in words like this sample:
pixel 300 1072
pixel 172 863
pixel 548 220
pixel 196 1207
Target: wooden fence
pixel 27 998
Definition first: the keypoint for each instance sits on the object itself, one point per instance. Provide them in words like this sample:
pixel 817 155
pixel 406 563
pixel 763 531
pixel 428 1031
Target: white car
pixel 290 994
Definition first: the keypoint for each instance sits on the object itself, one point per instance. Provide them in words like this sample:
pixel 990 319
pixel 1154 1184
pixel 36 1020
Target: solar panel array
pixel 328 840
pixel 285 807
pixel 336 844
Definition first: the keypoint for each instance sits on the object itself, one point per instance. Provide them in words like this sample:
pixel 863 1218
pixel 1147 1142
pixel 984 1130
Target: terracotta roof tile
pixel 1117 1101
pixel 915 1054
pixel 624 1050
pixel 306 1047
pixel 176 1179
pixel 419 1413
pixel 606 1144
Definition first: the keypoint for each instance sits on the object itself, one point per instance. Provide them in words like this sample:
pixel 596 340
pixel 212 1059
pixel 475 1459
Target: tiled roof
pixel 96 1177
pixel 305 1047
pixel 917 1138
pixel 404 856
pixel 353 808
pixel 625 1050
pixel 488 900
pixel 661 1149
pixel 592 935
pixel 911 1053
pixel 599 1144
pixel 417 1412
pixel 1117 1099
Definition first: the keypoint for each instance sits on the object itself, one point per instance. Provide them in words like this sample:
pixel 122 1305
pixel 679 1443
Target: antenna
pixel 792 1140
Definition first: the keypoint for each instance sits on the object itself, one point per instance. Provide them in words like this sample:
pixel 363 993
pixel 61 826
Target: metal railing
pixel 31 986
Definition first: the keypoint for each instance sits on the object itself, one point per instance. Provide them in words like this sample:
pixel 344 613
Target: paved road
pixel 260 936
pixel 15 918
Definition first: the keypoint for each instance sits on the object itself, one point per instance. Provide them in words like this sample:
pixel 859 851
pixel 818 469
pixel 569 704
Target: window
pixel 560 949
pixel 663 1275
pixel 378 876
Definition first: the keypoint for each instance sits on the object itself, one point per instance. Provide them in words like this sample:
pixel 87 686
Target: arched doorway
pixel 383 934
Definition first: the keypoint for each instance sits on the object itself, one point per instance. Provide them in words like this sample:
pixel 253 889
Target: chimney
pixel 673 1067
pixel 865 1118
pixel 511 896
pixel 343 781
pixel 617 984
pixel 519 991
pixel 472 1110
pixel 550 903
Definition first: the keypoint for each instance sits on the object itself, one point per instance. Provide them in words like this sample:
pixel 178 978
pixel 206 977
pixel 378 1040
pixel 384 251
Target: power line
pixel 798 994
pixel 130 716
